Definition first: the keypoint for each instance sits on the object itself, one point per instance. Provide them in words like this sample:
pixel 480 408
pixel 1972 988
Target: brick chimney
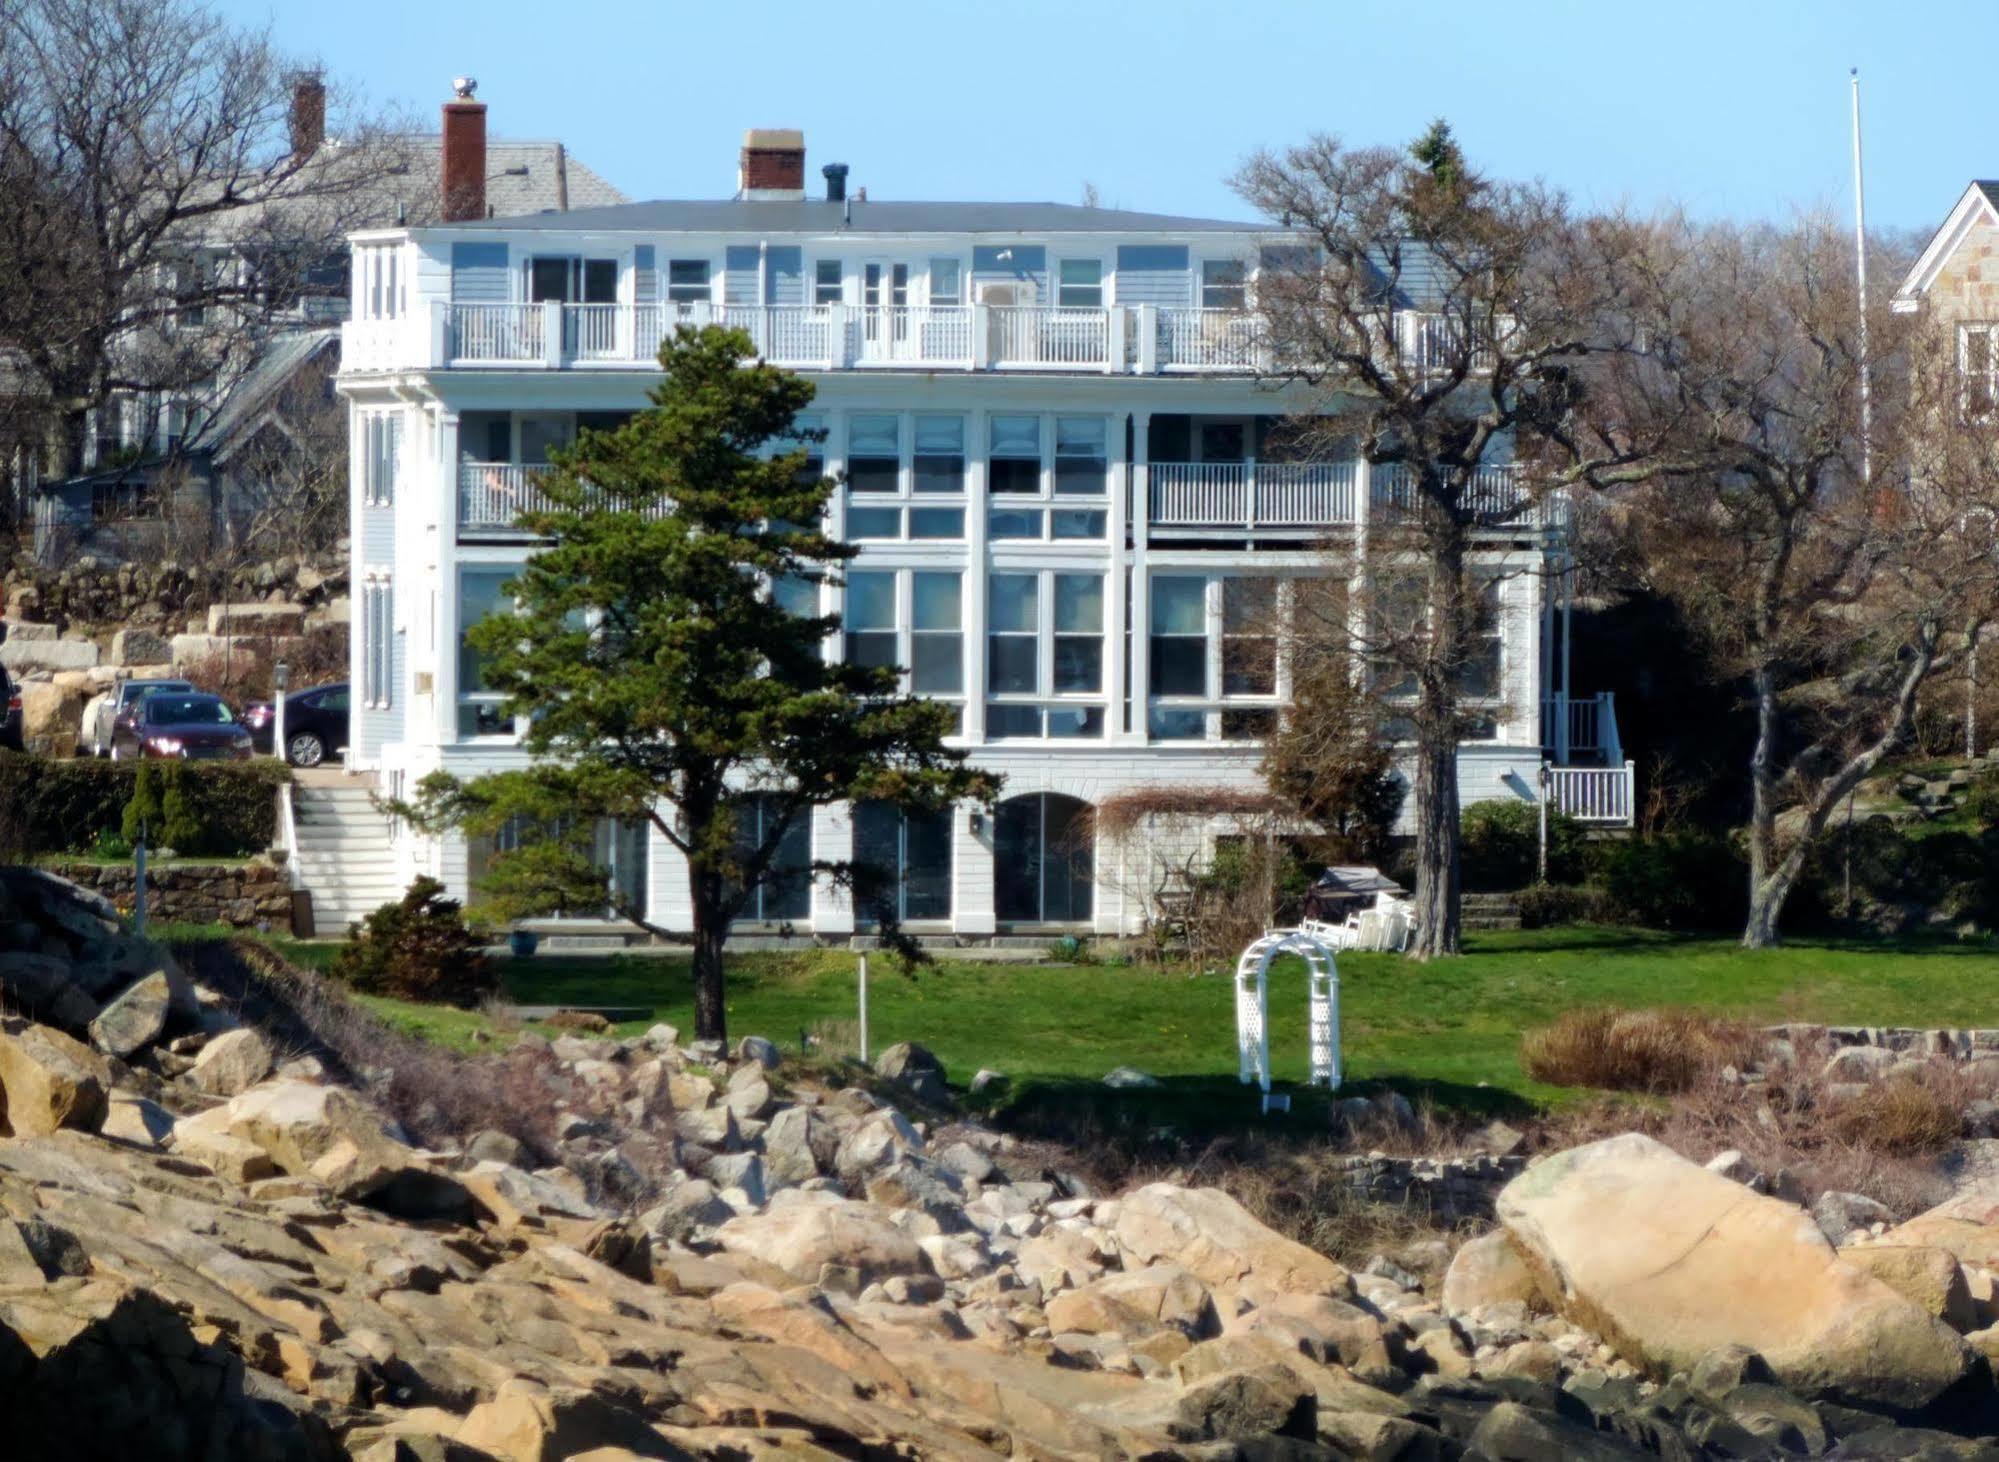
pixel 308 115
pixel 463 168
pixel 772 166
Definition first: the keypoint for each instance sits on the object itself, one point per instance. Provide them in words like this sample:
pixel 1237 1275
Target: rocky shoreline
pixel 213 1244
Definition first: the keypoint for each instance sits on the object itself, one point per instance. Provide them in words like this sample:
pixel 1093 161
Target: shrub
pixel 1675 880
pixel 64 806
pixel 182 828
pixel 1981 800
pixel 1902 1117
pixel 1653 1051
pixel 1547 904
pixel 1500 845
pixel 143 816
pixel 419 948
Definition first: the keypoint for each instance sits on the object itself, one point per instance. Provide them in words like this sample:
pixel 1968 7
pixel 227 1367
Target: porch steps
pixel 1490 911
pixel 345 855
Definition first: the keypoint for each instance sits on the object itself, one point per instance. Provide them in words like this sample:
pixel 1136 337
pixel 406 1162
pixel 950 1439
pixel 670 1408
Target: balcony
pixel 1588 776
pixel 1253 495
pixel 493 495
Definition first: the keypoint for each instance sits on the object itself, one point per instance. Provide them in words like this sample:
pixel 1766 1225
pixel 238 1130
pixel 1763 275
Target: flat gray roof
pixel 817 216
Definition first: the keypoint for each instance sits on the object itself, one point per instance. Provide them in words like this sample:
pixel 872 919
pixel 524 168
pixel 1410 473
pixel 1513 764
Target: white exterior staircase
pixel 345 858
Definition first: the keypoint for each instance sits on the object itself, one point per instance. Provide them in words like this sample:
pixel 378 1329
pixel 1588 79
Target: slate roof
pixel 818 216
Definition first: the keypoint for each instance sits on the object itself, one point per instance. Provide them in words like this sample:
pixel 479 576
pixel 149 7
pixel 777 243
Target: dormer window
pixel 1081 284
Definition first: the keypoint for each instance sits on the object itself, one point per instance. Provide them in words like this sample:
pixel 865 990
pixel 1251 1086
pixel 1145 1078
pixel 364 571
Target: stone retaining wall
pixel 243 894
pixel 1959 1044
pixel 1450 1190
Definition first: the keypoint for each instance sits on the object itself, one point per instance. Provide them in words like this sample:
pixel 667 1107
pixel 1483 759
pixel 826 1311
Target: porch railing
pixel 1584 726
pixel 1253 494
pixel 1599 795
pixel 493 495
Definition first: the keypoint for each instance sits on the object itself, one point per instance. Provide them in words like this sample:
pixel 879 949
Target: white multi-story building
pixel 1057 451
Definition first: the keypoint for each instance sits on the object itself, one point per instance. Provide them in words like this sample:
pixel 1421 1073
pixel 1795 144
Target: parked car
pixel 181 726
pixel 315 724
pixel 101 715
pixel 10 724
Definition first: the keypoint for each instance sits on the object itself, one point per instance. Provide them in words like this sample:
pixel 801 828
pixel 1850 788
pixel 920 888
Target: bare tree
pixel 1832 570
pixel 1435 314
pixel 159 198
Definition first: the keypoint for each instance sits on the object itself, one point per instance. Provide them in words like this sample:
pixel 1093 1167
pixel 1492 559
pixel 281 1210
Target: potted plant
pixel 523 941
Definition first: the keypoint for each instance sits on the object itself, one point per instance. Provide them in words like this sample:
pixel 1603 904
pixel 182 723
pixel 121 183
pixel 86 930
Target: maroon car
pixel 181 726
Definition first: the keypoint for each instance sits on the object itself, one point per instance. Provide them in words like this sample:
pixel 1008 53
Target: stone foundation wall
pixel 1450 1190
pixel 243 894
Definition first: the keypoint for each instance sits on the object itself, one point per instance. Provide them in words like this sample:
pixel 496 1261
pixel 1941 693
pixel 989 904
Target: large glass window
pixel 937 637
pixel 1013 639
pixel 1014 464
pixel 1213 640
pixel 480 595
pixel 618 851
pixel 1249 636
pixel 1043 855
pixel 1079 632
pixel 871 617
pixel 940 454
pixel 874 453
pixel 1082 458
pixel 906 860
pixel 1479 676
pixel 785 893
pixel 1080 284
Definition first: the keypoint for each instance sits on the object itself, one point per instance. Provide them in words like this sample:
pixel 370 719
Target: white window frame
pixel 820 284
pixel 1216 700
pixel 1986 333
pixel 1202 286
pixel 381 456
pixel 1062 286
pixel 378 630
pixel 959 273
pixel 1045 698
pixel 707 293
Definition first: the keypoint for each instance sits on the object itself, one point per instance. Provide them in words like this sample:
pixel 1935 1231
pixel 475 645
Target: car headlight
pixel 169 745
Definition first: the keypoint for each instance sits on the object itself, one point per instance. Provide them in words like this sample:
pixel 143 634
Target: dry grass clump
pixel 1902 1116
pixel 1652 1051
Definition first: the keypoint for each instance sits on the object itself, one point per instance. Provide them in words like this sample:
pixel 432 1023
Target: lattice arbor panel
pixel 1252 1008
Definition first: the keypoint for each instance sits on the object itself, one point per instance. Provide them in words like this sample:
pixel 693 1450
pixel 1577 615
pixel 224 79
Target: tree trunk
pixel 1766 896
pixel 711 1019
pixel 1437 893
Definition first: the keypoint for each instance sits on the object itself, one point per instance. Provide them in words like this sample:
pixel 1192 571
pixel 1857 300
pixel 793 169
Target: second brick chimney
pixel 772 165
pixel 308 114
pixel 463 167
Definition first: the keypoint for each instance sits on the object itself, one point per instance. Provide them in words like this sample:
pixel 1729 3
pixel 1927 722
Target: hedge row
pixel 62 806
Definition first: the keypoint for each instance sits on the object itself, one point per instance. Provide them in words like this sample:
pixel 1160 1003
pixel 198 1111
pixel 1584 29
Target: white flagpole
pixel 1860 267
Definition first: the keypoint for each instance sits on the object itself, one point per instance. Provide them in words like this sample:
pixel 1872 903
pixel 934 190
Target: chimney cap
pixel 775 139
pixel 463 87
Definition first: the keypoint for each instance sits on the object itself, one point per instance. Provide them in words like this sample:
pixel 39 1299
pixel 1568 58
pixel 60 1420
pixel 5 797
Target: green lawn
pixel 1450 1029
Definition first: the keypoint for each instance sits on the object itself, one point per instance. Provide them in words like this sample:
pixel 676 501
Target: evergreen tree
pixel 143 816
pixel 661 678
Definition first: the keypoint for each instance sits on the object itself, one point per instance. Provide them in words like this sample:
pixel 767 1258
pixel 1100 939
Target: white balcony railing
pixel 493 495
pixel 1209 340
pixel 1497 496
pixel 1602 795
pixel 1253 494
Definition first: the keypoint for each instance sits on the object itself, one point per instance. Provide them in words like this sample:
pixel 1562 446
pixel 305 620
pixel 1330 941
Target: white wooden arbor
pixel 1252 1007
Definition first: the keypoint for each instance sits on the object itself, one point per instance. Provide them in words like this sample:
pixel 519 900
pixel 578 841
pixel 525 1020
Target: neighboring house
pixel 149 459
pixel 1063 472
pixel 1955 280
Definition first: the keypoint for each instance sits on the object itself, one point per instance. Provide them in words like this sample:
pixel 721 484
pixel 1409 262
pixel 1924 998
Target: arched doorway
pixel 1043 854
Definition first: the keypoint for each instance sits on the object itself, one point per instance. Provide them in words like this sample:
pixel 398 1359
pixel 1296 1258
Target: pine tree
pixel 661 677
pixel 143 817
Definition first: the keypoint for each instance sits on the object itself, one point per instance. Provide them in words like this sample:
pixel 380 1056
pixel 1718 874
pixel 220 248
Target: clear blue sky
pixel 1736 109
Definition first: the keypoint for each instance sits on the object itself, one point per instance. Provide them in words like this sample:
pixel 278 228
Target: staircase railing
pixel 288 835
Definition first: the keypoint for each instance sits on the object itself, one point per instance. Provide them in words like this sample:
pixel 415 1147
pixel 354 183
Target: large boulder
pixel 1668 1261
pixel 805 1236
pixel 329 1134
pixel 1968 1226
pixel 136 1018
pixel 1487 1270
pixel 43 987
pixel 916 1070
pixel 1207 1232
pixel 800 1144
pixel 233 1062
pixel 50 1082
pixel 1135 1303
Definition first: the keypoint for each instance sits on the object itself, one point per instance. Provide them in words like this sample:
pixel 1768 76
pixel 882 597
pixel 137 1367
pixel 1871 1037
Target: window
pixel 870 618
pixel 377 642
pixel 1042 859
pixel 874 453
pixel 1006 523
pixel 481 594
pixel 936 522
pixel 796 594
pixel 1249 636
pixel 1478 678
pixel 906 855
pixel 867 523
pixel 785 892
pixel 687 281
pixel 1015 461
pixel 617 851
pixel 937 640
pixel 382 433
pixel 1213 640
pixel 1978 367
pixel 1223 285
pixel 826 282
pixel 1044 644
pixel 947 282
pixel 1080 284
pixel 940 454
pixel 1082 461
